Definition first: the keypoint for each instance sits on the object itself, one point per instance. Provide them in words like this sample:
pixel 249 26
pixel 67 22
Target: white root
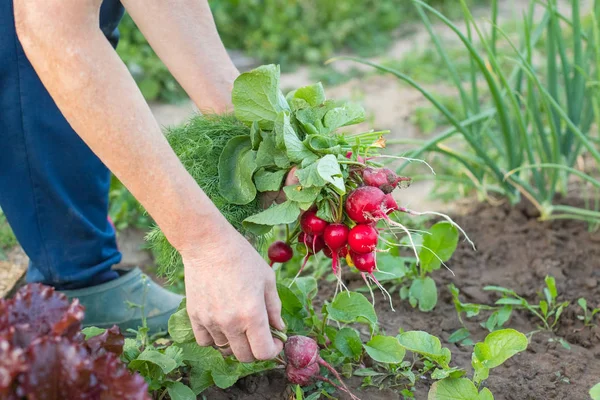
pixel 447 218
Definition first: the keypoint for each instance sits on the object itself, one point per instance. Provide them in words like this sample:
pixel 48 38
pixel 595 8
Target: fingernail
pixel 281 324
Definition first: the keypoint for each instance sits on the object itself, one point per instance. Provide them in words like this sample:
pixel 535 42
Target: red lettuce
pixel 43 354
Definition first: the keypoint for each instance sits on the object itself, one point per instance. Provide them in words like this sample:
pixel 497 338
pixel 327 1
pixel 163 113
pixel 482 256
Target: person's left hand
pixel 267 198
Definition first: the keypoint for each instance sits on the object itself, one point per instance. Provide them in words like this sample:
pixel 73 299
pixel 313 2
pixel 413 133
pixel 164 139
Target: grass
pixel 7 237
pixel 526 127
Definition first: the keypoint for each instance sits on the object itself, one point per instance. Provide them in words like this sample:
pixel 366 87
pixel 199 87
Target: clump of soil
pixel 516 251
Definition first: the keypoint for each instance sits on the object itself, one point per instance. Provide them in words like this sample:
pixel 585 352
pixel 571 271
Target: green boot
pixel 121 302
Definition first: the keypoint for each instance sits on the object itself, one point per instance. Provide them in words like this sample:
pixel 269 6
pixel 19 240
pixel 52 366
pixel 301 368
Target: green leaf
pixel 267 181
pixel 499 346
pixel 438 246
pixel 307 285
pixel 453 389
pixel 347 341
pixel 284 213
pixel 200 379
pixel 424 291
pixel 224 375
pixel 193 352
pixel 459 335
pixel 348 114
pixel 385 349
pixel 180 326
pixel 178 391
pixel 292 309
pixel 348 307
pixel 92 331
pixel 551 283
pixel 255 136
pixel 153 356
pixel 322 144
pixel 481 372
pixel 295 149
pixel 486 394
pixel 256 96
pixel 314 95
pixel 329 169
pixel 269 156
pixel 509 301
pixel 443 373
pixel 390 267
pixel 302 194
pixel 595 392
pixel 237 163
pixel 424 344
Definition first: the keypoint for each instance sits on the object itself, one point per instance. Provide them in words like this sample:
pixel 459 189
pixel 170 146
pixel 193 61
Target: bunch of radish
pixel 354 237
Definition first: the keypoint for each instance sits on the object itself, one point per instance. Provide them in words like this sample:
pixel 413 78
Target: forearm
pixel 183 34
pixel 99 98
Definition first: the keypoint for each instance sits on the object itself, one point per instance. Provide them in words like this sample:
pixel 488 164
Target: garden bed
pixel 515 251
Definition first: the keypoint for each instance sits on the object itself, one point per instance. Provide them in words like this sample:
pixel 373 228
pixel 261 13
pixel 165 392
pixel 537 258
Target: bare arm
pixel 99 98
pixel 183 34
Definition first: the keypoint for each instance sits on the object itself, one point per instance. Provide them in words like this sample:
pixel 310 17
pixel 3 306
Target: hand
pixel 232 297
pixel 267 198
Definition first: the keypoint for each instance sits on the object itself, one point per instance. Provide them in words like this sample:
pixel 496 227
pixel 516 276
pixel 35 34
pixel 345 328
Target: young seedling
pixel 588 314
pixel 548 310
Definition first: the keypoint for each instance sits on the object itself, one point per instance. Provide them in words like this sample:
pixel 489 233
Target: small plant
pixel 548 310
pixel 588 314
pixel 44 353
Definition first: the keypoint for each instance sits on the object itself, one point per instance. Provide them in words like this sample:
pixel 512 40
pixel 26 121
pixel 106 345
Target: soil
pixel 516 251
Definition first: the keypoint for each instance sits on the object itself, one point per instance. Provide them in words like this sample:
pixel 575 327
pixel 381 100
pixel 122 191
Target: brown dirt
pixel 516 251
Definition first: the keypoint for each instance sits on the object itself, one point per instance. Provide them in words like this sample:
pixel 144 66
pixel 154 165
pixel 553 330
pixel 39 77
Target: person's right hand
pixel 232 296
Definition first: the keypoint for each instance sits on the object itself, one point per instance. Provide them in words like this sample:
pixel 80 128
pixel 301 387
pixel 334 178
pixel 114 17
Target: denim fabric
pixel 53 189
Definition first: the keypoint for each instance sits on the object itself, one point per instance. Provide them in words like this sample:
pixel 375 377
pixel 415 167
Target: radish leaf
pixel 269 181
pixel 284 213
pixel 236 166
pixel 385 349
pixel 256 96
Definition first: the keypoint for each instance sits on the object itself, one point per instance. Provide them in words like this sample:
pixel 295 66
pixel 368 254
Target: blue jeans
pixel 53 189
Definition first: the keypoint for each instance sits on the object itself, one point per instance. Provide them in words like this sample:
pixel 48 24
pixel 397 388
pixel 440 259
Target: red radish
pixel 302 355
pixel 390 204
pixel 341 252
pixel 382 178
pixel 314 244
pixel 301 376
pixel 366 204
pixel 301 351
pixel 335 237
pixel 363 239
pixel 364 262
pixel 311 224
pixel 280 252
pixel 367 264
